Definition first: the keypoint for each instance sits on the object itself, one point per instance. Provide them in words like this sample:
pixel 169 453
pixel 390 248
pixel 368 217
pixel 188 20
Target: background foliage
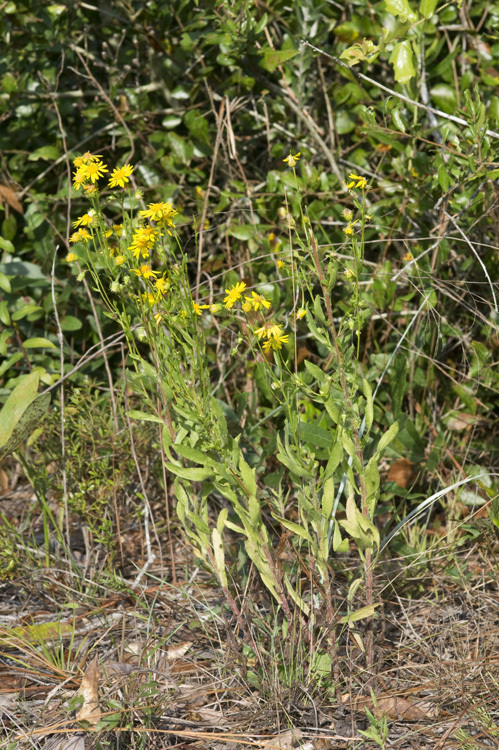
pixel 207 100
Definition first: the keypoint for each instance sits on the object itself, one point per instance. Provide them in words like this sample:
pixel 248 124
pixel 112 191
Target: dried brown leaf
pixel 177 650
pixel 6 193
pixel 285 740
pixel 402 472
pixel 89 689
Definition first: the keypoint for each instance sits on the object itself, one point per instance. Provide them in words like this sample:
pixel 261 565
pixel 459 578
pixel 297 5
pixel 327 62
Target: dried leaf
pixel 393 707
pixel 6 193
pixel 401 472
pixel 75 742
pixel 89 689
pixel 289 739
pixel 177 650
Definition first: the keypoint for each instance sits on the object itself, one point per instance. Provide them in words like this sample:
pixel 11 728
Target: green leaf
pixel 25 311
pixel 218 551
pixel 7 246
pixel 444 97
pixel 70 323
pixel 273 58
pixel 294 527
pixel 4 282
pixel 248 477
pixel 427 7
pixel 144 416
pixel 369 405
pixel 401 59
pixel 49 153
pixel 21 413
pixel 192 474
pixel 402 9
pixel 313 435
pixel 386 439
pixel 328 498
pixel 39 343
pixel 360 614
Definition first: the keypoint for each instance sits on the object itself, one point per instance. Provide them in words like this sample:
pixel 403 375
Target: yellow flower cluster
pixel 273 334
pixel 356 181
pixel 89 168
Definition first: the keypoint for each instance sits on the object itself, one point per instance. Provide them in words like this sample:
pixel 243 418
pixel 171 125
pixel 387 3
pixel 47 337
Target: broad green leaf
pixel 4 282
pixel 70 323
pixel 17 403
pixel 444 98
pixel 273 58
pixel 313 435
pixel 38 343
pixel 427 7
pixel 402 9
pixel 194 455
pixel 401 59
pixel 26 424
pixel 360 614
pixel 24 311
pixel 49 153
pixel 7 246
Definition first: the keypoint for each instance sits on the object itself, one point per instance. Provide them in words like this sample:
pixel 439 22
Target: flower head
pixel 255 301
pixel 349 229
pixel 162 213
pixel 291 159
pixel 80 236
pixel 233 294
pixel 79 177
pixel 119 260
pixel 85 220
pixel 197 308
pixel 356 181
pixel 70 257
pixel 86 158
pixel 94 170
pixel 300 313
pixel 145 271
pixel 143 241
pixel 120 176
pixel 408 256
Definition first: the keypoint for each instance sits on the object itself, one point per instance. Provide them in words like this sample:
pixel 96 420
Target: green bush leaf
pixel 401 59
pixel 402 9
pixel 272 58
pixel 39 343
pixel 427 7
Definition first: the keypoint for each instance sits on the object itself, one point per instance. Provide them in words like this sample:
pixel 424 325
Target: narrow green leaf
pixel 192 474
pixel 144 416
pixel 38 343
pixel 294 527
pixel 218 551
pixel 387 438
pixel 4 282
pixel 17 403
pixel 248 476
pixel 273 58
pixel 360 614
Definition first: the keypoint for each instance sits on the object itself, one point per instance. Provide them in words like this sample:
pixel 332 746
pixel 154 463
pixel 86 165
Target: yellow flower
pixel 145 271
pixel 160 212
pixel 197 308
pixel 349 228
pixel 94 170
pixel 356 181
pixel 149 298
pixel 90 188
pixel 292 160
pixel 408 257
pixel 86 158
pixel 234 293
pixel 120 176
pixel 163 284
pixel 275 342
pixel 119 260
pixel 80 236
pixel 347 214
pixel 143 240
pixel 70 257
pixel 256 300
pixel 79 177
pixel 216 308
pixel 270 331
pixel 246 307
pixel 157 317
pixel 280 264
pixel 85 220
pixel 301 313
